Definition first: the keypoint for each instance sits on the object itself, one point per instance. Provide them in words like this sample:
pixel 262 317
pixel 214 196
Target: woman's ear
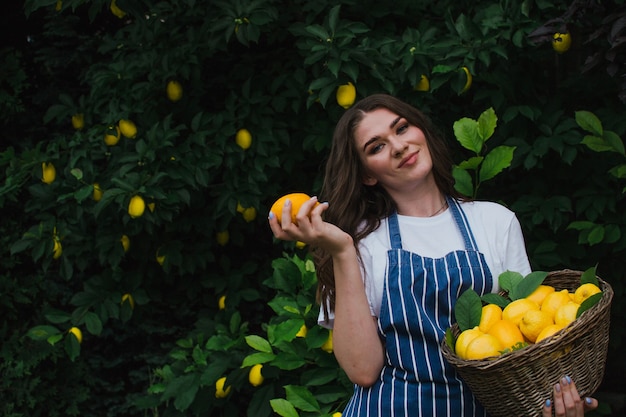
pixel 369 180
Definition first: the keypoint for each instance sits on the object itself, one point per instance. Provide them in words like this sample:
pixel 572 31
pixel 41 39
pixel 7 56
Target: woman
pixel 395 248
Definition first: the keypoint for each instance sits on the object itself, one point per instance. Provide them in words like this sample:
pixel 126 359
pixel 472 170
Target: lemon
pixel 585 291
pixel 129 298
pixel 491 313
pixel 125 242
pixel 222 237
pixel 78 121
pixel 249 214
pixel 240 208
pixel 220 392
pixel 116 10
pixel 533 322
pixel 337 414
pixel 77 333
pixel 507 333
pixel 296 199
pixel 58 6
pixel 221 303
pixel 97 192
pixel 540 293
pixel 151 207
pixel 555 300
pixel 303 331
pixel 561 42
pixel 548 331
pixel 468 80
pixel 346 94
pixel 243 138
pixel 49 172
pixel 136 207
pixel 160 258
pixel 174 91
pixel 515 310
pixel 300 245
pixel 566 314
pixel 112 135
pixel 423 84
pixel 128 128
pixel 483 346
pixel 255 377
pixel 57 249
pixel 464 339
pixel 328 344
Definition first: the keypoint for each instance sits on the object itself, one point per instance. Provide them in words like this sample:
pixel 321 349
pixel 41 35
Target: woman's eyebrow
pixel 375 138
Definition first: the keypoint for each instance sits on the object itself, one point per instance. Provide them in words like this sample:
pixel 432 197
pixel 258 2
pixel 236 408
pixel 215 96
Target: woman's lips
pixel 409 160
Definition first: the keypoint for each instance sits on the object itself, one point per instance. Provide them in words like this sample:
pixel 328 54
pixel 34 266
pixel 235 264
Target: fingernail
pixel 287 202
pixel 588 401
pixel 548 403
pixel 314 197
pixel 557 387
pixel 271 215
pixel 568 379
pixel 325 202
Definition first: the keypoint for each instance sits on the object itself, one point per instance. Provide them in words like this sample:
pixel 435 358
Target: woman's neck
pixel 421 203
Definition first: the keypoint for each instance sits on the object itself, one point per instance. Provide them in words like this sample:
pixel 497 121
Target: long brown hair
pixel 357 208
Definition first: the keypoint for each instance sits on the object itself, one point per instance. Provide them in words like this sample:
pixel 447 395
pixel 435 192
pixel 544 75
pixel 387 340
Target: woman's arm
pixel 356 343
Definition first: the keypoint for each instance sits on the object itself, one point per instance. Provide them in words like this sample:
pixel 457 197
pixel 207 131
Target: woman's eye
pixel 403 127
pixel 376 148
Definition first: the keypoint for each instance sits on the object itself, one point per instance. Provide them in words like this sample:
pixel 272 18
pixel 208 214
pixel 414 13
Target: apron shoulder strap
pixel 394 231
pixel 463 224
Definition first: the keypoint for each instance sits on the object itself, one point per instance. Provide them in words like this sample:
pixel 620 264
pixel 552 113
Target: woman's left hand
pixel 567 402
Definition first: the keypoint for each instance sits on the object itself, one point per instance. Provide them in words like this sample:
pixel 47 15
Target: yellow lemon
pixel 255 377
pixel 160 258
pixel 303 331
pixel 548 331
pixel 57 249
pixel 491 313
pixel 78 121
pixel 97 191
pixel 128 128
pixel 58 6
pixel 49 172
pixel 240 208
pixel 533 322
pixel 129 298
pixel 346 94
pixel 566 314
pixel 483 346
pixel 249 214
pixel 561 42
pixel 220 391
pixel 151 207
pixel 507 333
pixel 515 310
pixel 116 10
pixel 468 79
pixel 328 344
pixel 337 414
pixel 243 138
pixel 555 300
pixel 585 291
pixel 174 91
pixel 112 135
pixel 222 237
pixel 300 245
pixel 221 303
pixel 77 333
pixel 136 207
pixel 464 339
pixel 540 293
pixel 296 199
pixel 423 84
pixel 125 242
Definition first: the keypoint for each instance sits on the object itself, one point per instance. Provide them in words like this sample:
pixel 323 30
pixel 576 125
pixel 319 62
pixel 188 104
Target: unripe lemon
pixel 221 303
pixel 222 237
pixel 561 42
pixel 78 121
pixel 566 314
pixel 482 347
pixel 328 344
pixel 507 333
pixel 174 91
pixel 346 94
pixel 423 84
pixel 303 331
pixel 128 128
pixel 249 214
pixel 57 249
pixel 136 207
pixel 116 10
pixel 77 333
pixel 49 173
pixel 125 242
pixel 464 339
pixel 255 377
pixel 548 331
pixel 491 313
pixel 243 138
pixel 296 199
pixel 129 298
pixel 533 322
pixel 585 291
pixel 220 392
pixel 112 135
pixel 97 191
pixel 468 79
pixel 515 310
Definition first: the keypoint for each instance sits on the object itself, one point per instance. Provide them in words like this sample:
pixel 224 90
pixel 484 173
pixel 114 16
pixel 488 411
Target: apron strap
pixel 394 231
pixel 463 224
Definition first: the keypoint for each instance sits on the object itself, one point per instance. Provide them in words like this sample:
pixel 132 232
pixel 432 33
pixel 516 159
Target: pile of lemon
pixel 522 322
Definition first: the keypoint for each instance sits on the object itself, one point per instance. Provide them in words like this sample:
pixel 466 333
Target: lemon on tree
pixel 129 299
pixel 221 303
pixel 243 138
pixel 220 391
pixel 255 376
pixel 125 240
pixel 303 331
pixel 57 249
pixel 423 84
pixel 468 79
pixel 78 121
pixel 296 200
pixel 328 344
pixel 116 10
pixel 174 91
pixel 112 135
pixel 136 206
pixel 97 192
pixel 78 334
pixel 346 94
pixel 561 42
pixel 222 237
pixel 127 128
pixel 48 172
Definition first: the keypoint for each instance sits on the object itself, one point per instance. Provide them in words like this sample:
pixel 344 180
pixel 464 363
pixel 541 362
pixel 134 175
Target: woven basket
pixel 518 383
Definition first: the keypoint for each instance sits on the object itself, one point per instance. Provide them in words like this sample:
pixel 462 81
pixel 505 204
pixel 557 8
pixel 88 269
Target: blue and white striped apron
pixel 417 308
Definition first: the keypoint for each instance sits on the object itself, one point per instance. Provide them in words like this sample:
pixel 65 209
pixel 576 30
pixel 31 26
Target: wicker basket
pixel 518 383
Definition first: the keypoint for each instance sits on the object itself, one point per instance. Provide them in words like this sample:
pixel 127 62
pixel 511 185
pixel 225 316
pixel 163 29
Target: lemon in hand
pixel 296 199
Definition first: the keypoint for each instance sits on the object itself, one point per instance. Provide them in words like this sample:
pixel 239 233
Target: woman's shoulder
pixel 487 210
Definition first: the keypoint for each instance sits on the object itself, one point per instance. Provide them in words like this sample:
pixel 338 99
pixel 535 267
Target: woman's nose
pixel 398 146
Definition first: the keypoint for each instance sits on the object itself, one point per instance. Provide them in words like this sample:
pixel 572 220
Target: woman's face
pixel 394 153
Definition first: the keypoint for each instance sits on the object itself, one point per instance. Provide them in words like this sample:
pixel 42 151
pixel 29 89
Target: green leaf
pixel 497 299
pixel 526 286
pixel 463 181
pixel 466 133
pixel 301 398
pixel 72 347
pixel 468 309
pixel 255 358
pixel 487 122
pixel 589 276
pixel 614 141
pixel 495 161
pixel 42 332
pixel 93 323
pixel 57 316
pixel 589 122
pixel 283 408
pixel 450 338
pixel 471 163
pixel 288 361
pixel 509 279
pixel 588 303
pixel 596 143
pixel 259 343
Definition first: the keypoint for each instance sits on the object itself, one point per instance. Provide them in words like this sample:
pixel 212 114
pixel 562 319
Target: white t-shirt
pixel 496 230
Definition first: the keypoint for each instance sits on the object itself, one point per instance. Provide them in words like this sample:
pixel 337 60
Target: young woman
pixel 395 246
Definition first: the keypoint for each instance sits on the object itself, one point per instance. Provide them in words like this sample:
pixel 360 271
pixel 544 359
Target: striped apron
pixel 417 308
